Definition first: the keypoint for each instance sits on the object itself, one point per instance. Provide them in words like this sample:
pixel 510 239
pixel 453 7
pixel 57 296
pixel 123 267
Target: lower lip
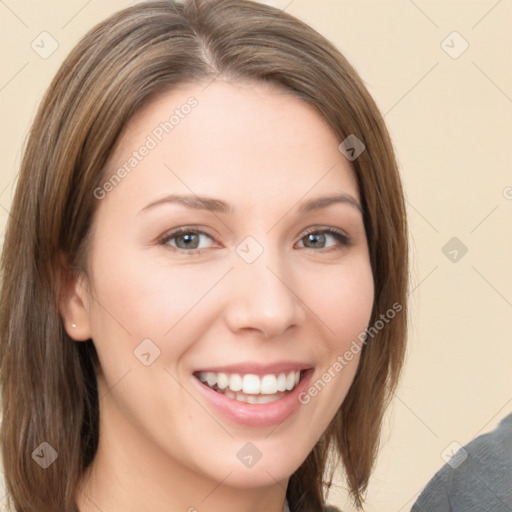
pixel 255 415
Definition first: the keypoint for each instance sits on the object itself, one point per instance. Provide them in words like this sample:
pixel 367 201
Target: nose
pixel 264 296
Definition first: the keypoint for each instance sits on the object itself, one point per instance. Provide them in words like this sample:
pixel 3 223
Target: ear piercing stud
pixel 73 325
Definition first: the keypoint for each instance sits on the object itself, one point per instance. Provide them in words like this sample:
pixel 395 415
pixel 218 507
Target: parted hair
pixel 48 381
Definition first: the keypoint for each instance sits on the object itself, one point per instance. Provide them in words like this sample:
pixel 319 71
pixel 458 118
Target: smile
pixel 251 388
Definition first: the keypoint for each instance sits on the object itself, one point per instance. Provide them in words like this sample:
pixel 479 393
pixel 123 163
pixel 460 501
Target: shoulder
pixel 477 474
pixel 496 440
pixel 489 453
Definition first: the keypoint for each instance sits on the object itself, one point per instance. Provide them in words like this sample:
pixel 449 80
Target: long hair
pixel 48 381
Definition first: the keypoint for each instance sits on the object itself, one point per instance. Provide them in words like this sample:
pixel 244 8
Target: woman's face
pixel 253 292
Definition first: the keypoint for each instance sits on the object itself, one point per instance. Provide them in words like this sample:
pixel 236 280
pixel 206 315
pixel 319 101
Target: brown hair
pixel 48 382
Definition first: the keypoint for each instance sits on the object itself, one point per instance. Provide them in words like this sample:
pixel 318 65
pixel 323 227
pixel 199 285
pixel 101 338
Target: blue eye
pixel 319 236
pixel 188 239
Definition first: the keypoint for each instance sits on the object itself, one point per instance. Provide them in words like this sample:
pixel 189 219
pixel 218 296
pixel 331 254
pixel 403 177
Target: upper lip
pixel 258 368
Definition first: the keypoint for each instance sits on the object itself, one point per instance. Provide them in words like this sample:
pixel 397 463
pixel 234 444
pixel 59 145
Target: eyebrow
pixel 220 206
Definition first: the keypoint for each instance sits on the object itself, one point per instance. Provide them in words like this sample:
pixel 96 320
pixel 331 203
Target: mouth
pixel 251 388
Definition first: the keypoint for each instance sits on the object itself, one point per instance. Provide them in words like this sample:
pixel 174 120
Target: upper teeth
pixel 250 383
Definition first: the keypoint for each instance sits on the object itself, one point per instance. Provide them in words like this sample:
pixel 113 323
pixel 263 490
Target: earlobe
pixel 74 303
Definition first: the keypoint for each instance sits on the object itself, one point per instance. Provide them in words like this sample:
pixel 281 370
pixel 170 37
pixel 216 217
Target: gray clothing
pixel 478 478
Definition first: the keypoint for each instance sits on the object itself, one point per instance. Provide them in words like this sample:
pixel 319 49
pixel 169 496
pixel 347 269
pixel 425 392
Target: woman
pixel 204 272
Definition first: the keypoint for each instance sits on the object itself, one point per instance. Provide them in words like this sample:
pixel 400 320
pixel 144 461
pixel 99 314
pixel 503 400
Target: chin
pixel 250 473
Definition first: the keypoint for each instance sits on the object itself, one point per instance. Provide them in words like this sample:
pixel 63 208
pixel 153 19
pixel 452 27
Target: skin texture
pixel 263 151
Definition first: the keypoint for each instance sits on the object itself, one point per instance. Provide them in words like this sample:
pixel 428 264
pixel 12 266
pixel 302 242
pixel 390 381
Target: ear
pixel 74 301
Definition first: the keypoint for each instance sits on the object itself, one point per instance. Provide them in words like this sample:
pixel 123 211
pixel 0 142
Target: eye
pixel 317 237
pixel 186 239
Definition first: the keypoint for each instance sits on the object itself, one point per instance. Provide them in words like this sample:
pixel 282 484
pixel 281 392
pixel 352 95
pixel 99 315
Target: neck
pixel 132 473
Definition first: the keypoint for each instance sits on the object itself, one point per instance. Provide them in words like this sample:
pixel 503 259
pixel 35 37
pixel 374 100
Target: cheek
pixel 344 302
pixel 143 299
pixel 164 302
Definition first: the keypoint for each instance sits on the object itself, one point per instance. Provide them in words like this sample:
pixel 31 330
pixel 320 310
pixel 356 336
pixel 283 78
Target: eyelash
pixel 342 238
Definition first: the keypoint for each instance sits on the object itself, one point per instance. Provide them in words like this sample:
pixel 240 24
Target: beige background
pixel 451 120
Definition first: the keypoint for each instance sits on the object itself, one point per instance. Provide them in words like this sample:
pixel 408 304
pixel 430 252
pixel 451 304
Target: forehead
pixel 236 140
